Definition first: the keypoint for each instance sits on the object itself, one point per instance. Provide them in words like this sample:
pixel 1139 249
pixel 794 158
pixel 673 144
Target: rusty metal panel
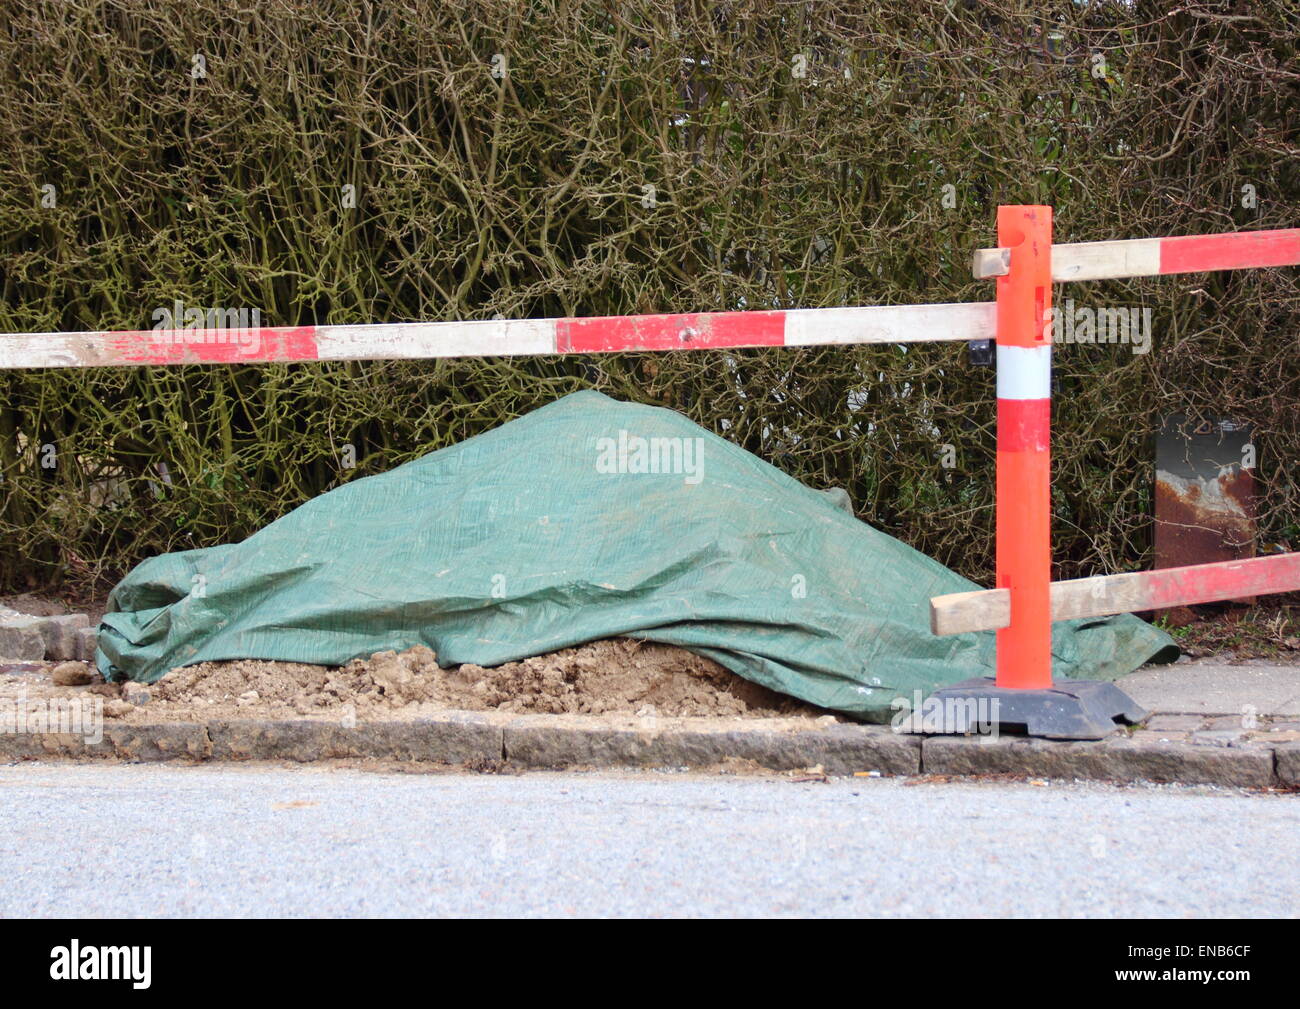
pixel 1205 504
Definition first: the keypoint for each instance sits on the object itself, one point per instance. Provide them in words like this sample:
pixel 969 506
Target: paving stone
pixel 20 636
pixel 1149 736
pixel 1219 737
pixel 1177 723
pixel 1216 688
pixel 60 634
pixel 87 642
pixel 1232 722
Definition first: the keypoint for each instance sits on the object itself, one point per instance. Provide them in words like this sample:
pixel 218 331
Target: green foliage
pixel 524 195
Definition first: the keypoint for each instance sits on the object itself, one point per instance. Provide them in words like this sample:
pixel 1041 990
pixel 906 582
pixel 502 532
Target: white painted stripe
pixel 1137 257
pixel 1024 372
pixel 808 327
pixel 404 341
pixel 46 350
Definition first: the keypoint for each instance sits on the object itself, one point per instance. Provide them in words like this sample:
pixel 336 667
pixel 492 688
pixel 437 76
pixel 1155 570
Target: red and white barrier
pixel 1025 601
pixel 1152 257
pixel 503 337
pixel 1026 263
pixel 1133 592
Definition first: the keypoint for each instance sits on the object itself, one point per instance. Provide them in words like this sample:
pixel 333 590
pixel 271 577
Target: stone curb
pixel 1287 756
pixel 559 741
pixel 454 740
pixel 145 743
pixel 1116 759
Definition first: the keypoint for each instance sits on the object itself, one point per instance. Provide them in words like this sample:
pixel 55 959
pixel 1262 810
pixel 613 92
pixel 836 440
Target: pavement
pixel 230 840
pixel 1208 687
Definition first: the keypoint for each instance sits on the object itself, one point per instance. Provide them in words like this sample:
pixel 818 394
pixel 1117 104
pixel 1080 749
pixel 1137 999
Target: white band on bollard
pixel 1025 372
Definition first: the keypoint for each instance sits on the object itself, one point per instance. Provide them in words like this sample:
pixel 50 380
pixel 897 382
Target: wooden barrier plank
pixel 990 609
pixel 1151 257
pixel 503 337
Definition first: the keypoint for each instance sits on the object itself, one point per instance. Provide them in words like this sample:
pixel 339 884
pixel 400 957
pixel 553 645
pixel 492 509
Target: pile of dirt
pixel 617 676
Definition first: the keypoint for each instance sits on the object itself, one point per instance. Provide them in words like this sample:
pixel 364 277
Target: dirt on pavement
pixel 616 676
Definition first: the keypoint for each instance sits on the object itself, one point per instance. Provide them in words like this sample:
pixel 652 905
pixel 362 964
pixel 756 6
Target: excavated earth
pixel 616 677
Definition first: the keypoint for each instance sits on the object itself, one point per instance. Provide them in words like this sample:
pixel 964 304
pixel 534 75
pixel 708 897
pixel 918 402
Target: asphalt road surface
pixel 142 840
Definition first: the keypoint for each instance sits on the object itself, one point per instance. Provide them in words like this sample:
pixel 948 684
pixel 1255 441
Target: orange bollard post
pixel 1023 696
pixel 1024 369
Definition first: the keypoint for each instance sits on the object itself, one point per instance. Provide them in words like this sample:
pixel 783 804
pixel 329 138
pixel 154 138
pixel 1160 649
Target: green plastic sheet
pixel 588 518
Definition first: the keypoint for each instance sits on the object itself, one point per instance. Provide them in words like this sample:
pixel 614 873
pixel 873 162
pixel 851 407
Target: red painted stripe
pixel 213 346
pixel 1206 583
pixel 1024 425
pixel 669 332
pixel 1194 253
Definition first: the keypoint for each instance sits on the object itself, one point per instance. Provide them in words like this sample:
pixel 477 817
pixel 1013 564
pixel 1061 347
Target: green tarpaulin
pixel 586 519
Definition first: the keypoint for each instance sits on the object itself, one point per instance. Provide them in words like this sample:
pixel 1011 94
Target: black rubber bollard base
pixel 1069 709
